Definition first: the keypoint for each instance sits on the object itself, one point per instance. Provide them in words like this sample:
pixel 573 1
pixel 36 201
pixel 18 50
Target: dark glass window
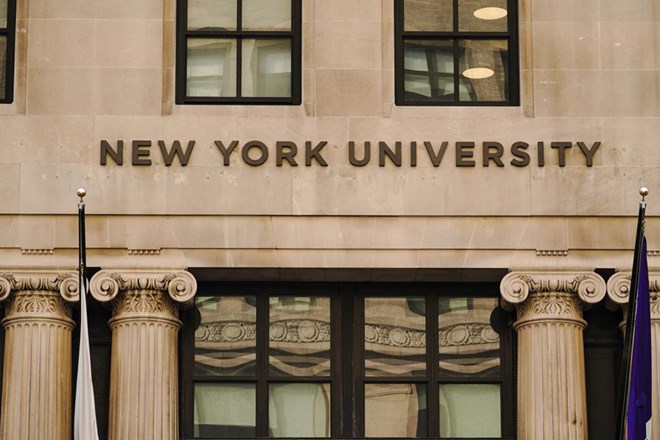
pixel 338 360
pixel 7 28
pixel 451 52
pixel 238 51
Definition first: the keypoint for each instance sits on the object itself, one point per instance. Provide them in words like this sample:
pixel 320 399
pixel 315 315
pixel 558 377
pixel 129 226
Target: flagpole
pixel 626 364
pixel 82 257
pixel 84 414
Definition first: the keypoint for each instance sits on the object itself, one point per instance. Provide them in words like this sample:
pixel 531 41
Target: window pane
pixel 3 66
pixel 428 15
pixel 266 68
pixel 299 410
pixel 259 15
pixel 482 15
pixel 460 402
pixel 395 336
pixel 299 336
pixel 225 339
pixel 3 13
pixel 395 410
pixel 483 65
pixel 216 14
pixel 429 67
pixel 211 67
pixel 468 343
pixel 224 410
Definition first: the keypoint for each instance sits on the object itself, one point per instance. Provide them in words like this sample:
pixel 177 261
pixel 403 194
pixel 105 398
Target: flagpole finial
pixel 643 191
pixel 82 192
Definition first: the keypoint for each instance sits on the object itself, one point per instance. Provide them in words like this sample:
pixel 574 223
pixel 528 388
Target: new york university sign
pixel 359 154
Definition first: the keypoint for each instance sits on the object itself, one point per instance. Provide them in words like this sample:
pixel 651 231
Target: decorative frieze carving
pixel 394 336
pixel 141 252
pixel 37 251
pixel 551 253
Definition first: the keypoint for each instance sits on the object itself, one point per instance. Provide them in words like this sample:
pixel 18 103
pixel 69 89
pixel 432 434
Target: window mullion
pixel 262 365
pixel 432 354
pixel 239 49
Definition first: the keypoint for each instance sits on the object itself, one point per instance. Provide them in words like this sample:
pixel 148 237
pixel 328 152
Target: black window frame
pixel 512 83
pixel 347 375
pixel 294 35
pixel 10 33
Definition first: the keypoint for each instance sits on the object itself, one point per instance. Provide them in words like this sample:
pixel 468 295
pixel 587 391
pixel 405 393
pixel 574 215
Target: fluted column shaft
pixel 36 391
pixel 144 369
pixel 551 373
pixel 618 290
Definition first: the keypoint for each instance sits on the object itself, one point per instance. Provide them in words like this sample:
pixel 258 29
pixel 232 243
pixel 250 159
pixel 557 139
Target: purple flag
pixel 639 396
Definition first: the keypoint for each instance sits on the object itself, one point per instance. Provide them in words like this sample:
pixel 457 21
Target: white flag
pixel 84 418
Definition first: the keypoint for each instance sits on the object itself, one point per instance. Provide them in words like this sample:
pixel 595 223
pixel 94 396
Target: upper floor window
pixel 238 51
pixel 456 52
pixel 7 24
pixel 350 361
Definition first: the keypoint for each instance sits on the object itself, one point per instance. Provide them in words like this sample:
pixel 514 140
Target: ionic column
pixel 36 387
pixel 551 377
pixel 618 291
pixel 144 370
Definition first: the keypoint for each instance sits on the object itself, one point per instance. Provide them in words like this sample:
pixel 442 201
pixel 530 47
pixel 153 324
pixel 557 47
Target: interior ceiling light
pixel 478 73
pixel 490 13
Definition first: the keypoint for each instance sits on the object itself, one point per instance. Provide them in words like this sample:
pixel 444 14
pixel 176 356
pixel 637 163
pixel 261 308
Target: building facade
pixel 325 218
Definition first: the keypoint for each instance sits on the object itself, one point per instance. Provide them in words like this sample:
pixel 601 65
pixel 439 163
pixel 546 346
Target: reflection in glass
pixel 3 13
pixel 299 336
pixel 429 70
pixel 395 410
pixel 428 15
pixel 299 410
pixel 460 402
pixel 225 339
pixel 271 15
pixel 3 66
pixel 468 21
pixel 266 68
pixel 224 410
pixel 469 345
pixel 211 67
pixel 490 54
pixel 211 14
pixel 395 336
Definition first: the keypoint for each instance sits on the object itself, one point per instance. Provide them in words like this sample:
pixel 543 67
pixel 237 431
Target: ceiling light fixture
pixel 490 13
pixel 478 73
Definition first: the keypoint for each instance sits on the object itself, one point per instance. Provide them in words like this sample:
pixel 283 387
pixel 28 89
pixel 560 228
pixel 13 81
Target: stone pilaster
pixel 618 291
pixel 551 375
pixel 144 370
pixel 36 388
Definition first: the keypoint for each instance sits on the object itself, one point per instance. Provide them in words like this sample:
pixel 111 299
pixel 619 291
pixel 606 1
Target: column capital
pixel 515 287
pixel 180 285
pixel 618 291
pixel 63 283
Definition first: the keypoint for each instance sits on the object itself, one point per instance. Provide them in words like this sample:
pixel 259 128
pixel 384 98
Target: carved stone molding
pixel 181 286
pixel 618 291
pixel 63 283
pixel 516 286
pixel 556 296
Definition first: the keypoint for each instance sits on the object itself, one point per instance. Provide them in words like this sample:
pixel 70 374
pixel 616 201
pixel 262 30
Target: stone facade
pixel 93 70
